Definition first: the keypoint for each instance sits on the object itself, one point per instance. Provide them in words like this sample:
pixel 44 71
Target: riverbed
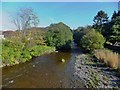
pixel 46 71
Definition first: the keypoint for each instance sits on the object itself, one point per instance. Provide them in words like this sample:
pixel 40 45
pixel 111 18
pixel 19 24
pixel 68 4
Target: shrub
pixel 92 40
pixel 14 52
pixel 58 35
pixel 39 50
pixel 80 32
pixel 110 58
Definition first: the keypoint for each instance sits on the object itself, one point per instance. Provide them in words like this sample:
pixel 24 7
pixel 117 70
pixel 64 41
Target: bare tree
pixel 25 18
pixel 16 22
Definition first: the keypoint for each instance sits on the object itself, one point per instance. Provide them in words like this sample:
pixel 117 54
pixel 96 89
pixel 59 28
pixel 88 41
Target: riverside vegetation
pixel 18 47
pixel 29 40
pixel 22 45
pixel 99 67
pixel 103 31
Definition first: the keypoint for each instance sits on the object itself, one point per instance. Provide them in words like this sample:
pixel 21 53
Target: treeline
pixel 103 32
pixel 21 45
pixel 29 40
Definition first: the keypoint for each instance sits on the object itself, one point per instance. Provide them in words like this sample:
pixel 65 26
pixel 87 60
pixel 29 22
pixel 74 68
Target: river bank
pixel 79 70
pixel 45 71
pixel 95 74
pixel 22 56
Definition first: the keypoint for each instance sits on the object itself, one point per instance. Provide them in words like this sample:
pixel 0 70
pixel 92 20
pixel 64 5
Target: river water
pixel 46 71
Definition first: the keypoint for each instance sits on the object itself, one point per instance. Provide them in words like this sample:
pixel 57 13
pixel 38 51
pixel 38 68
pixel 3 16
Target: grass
pixel 112 59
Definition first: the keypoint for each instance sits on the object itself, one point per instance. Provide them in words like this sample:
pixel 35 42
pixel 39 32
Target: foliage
pixel 39 50
pixel 77 34
pixel 35 37
pixel 111 30
pixel 80 32
pixel 14 51
pixel 115 30
pixel 92 40
pixel 59 35
pixel 115 14
pixel 100 19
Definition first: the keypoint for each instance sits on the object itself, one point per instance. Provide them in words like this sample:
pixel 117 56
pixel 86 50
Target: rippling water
pixel 46 71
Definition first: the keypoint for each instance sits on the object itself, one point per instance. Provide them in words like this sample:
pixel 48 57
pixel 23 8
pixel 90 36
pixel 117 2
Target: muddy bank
pixel 95 74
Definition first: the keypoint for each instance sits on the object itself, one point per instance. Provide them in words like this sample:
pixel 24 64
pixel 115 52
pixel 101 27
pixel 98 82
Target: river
pixel 46 71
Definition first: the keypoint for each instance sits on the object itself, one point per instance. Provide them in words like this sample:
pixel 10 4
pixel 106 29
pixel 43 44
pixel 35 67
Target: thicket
pixel 22 46
pixel 92 40
pixel 59 35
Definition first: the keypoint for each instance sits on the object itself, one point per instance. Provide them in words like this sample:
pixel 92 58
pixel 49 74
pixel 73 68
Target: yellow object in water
pixel 63 60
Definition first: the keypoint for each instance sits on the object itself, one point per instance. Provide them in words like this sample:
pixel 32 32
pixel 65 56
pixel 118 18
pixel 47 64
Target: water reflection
pixel 46 71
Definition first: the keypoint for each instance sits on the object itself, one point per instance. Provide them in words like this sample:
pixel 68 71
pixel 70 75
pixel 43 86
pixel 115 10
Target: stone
pixel 33 65
pixel 11 81
pixel 63 60
pixel 56 51
pixel 104 82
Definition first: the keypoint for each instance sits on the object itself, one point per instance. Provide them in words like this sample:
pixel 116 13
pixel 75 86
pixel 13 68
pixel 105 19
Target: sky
pixel 73 14
pixel 59 0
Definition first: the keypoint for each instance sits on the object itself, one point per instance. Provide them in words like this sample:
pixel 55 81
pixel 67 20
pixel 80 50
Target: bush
pixel 39 50
pixel 15 52
pixel 59 35
pixel 92 40
pixel 80 32
pixel 110 58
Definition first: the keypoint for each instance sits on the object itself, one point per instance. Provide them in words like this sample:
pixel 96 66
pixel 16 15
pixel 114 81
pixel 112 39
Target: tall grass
pixel 111 59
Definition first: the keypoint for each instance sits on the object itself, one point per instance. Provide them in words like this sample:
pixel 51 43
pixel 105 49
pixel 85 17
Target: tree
pixel 106 30
pixel 100 19
pixel 77 34
pixel 115 14
pixel 115 31
pixel 110 30
pixel 80 32
pixel 59 35
pixel 92 40
pixel 25 18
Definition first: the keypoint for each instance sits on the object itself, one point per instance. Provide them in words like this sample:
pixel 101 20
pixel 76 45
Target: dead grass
pixel 112 59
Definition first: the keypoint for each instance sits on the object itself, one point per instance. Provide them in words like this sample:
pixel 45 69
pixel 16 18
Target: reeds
pixel 111 59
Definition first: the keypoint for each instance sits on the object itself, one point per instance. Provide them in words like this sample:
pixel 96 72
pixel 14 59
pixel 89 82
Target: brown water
pixel 46 71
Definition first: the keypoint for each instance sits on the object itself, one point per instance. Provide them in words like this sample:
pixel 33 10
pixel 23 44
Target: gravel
pixel 94 76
